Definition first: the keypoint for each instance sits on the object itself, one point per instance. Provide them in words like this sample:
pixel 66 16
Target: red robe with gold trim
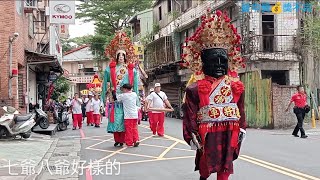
pixel 214 109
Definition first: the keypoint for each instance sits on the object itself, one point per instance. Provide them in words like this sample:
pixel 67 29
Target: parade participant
pixel 159 100
pixel 130 108
pixel 214 119
pixel 76 111
pixel 89 110
pixel 120 71
pixel 84 99
pixel 96 103
pixel 301 107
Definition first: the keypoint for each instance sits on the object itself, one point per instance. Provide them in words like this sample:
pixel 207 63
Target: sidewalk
pixel 19 157
pixel 62 160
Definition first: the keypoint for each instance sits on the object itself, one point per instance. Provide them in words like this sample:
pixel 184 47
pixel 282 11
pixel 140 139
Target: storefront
pixel 42 70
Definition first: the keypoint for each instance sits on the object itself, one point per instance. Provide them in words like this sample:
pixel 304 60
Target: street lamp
pixel 11 40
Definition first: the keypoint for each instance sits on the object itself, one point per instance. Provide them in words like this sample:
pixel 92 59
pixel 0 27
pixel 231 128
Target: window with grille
pixel 42 19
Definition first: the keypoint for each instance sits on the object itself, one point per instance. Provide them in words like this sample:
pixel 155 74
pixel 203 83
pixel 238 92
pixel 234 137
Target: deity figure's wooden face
pixel 214 62
pixel 121 57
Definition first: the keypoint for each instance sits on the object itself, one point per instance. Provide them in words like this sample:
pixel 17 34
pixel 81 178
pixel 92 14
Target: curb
pixel 39 168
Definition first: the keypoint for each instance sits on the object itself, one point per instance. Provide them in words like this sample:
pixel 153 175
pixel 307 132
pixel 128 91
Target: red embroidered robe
pixel 214 108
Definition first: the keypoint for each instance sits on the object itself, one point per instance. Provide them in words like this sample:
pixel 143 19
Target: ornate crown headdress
pixel 121 43
pixel 215 31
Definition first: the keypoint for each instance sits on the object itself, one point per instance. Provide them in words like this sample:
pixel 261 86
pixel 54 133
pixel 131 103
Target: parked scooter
pixel 41 117
pixel 61 116
pixel 12 124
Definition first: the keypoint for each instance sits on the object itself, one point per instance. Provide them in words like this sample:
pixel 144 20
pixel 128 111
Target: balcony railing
pixel 160 52
pixel 269 43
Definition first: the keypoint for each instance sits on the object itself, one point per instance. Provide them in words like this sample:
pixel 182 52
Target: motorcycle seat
pixel 21 118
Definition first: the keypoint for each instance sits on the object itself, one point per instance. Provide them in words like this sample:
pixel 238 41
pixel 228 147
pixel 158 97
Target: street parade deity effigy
pixel 214 119
pixel 120 71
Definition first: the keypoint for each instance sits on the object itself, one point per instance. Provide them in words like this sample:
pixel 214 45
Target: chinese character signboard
pixel 277 8
pixel 62 12
pixel 139 51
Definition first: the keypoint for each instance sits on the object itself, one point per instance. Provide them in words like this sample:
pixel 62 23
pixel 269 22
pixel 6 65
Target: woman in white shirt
pixel 96 110
pixel 89 110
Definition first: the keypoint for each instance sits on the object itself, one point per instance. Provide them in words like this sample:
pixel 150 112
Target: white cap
pixel 157 85
pixel 151 89
pixel 90 93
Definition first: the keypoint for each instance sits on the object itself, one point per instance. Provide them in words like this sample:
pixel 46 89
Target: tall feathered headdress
pixel 121 43
pixel 215 31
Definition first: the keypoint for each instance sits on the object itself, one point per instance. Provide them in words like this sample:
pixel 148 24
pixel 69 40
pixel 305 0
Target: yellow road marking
pixel 97 136
pixel 273 169
pixel 98 143
pixel 131 154
pixel 151 145
pixel 167 150
pixel 154 160
pixel 176 139
pixel 124 148
pixel 280 167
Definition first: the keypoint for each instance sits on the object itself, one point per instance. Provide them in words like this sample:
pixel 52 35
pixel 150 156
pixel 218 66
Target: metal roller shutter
pixel 172 91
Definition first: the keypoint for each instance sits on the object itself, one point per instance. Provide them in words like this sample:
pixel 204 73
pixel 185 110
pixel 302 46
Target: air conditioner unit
pixel 95 69
pixel 80 66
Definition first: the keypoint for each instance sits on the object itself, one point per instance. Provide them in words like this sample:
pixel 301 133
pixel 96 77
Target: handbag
pixel 307 108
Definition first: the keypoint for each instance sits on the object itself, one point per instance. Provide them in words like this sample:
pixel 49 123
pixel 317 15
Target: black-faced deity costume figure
pixel 214 119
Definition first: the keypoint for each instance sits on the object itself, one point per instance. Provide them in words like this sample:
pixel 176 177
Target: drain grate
pixel 60 154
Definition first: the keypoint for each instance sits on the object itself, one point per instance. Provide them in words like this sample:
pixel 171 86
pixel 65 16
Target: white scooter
pixel 12 124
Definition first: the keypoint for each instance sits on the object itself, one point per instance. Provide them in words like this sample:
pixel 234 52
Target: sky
pixel 80 28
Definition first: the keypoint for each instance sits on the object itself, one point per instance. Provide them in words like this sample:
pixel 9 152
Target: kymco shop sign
pixel 62 12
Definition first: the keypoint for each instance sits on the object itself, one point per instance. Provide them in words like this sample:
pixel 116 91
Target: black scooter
pixel 41 117
pixel 61 116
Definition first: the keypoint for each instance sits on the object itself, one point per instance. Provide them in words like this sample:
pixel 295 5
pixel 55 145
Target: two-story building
pixel 174 21
pixel 30 48
pixel 80 67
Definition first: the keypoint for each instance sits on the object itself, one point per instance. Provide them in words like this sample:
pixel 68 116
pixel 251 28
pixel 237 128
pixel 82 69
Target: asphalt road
pixel 266 154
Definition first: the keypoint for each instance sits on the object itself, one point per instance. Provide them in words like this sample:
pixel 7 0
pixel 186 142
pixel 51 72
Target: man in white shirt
pixel 76 111
pixel 159 100
pixel 96 110
pixel 130 100
pixel 89 110
pixel 147 105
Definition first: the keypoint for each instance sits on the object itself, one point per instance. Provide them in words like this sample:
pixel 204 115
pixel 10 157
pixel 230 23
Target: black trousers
pixel 300 113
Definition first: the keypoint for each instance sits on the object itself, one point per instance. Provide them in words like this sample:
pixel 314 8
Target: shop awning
pixel 35 58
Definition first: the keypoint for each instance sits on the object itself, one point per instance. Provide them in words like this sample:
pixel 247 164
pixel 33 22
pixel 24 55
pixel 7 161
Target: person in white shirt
pixel 149 112
pixel 130 110
pixel 158 100
pixel 89 110
pixel 96 110
pixel 76 111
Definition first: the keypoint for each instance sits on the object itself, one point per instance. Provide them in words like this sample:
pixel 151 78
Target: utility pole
pixel 11 40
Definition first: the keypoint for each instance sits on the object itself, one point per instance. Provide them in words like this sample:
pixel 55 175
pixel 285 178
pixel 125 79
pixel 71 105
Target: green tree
pixel 110 16
pixel 311 29
pixel 61 86
pixel 66 45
